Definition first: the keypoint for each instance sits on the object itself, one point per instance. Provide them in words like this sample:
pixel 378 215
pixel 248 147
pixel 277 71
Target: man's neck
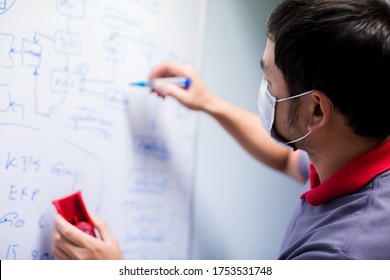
pixel 333 154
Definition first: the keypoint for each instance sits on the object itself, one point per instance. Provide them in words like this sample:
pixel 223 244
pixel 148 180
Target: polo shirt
pixel 345 217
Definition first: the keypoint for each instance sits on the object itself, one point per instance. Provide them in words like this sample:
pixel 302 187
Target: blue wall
pixel 241 207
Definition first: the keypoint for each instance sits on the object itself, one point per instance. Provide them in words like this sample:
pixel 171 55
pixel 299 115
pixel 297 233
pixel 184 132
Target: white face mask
pixel 266 104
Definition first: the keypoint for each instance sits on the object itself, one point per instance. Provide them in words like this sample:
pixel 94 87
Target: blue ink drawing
pixel 5 5
pixel 6 49
pixel 151 146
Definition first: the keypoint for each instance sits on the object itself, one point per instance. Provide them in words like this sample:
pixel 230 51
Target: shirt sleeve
pixel 322 255
pixel 303 165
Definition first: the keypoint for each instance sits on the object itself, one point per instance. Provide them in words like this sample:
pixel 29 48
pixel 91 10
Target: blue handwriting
pixel 12 218
pixel 24 162
pixel 22 194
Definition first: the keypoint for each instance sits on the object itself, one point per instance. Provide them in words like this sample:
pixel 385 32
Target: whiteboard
pixel 69 121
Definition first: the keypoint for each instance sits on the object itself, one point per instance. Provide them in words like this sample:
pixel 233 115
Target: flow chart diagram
pixel 70 121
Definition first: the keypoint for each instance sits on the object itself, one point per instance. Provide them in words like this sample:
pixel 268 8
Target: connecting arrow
pixel 115 35
pixel 37 34
pixel 13 50
pixel 11 105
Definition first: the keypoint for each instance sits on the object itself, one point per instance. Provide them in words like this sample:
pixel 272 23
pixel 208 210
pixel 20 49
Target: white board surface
pixel 69 121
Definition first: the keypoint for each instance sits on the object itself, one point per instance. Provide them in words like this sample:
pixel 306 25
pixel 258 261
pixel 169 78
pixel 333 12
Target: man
pixel 326 65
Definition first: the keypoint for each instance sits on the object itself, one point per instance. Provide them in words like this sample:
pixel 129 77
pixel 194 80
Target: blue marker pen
pixel 180 81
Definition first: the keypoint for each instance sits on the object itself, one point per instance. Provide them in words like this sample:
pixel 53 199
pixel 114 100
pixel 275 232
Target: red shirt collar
pixel 350 178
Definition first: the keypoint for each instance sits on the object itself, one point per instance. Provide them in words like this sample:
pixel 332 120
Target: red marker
pixel 72 208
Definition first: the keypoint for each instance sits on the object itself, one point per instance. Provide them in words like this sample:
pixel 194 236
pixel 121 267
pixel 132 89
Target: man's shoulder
pixel 354 226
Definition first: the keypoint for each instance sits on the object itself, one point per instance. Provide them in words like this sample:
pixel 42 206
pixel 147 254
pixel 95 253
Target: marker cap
pixel 73 209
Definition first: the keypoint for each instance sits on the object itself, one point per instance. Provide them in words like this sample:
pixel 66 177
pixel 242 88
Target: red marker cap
pixel 73 209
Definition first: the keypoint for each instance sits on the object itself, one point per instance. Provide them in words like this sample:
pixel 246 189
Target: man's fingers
pixel 166 89
pixel 70 232
pixel 169 69
pixel 63 248
pixel 59 253
pixel 103 229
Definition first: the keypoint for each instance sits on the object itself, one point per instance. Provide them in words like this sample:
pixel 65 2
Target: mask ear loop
pixel 295 96
pixel 331 103
pixel 299 139
pixel 303 137
pixel 309 132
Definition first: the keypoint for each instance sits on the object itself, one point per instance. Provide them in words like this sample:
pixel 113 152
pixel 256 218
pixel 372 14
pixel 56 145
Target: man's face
pixel 286 127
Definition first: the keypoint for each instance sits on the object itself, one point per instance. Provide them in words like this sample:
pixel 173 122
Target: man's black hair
pixel 342 48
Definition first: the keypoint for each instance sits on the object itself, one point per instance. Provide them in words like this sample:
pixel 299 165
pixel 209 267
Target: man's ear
pixel 321 110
